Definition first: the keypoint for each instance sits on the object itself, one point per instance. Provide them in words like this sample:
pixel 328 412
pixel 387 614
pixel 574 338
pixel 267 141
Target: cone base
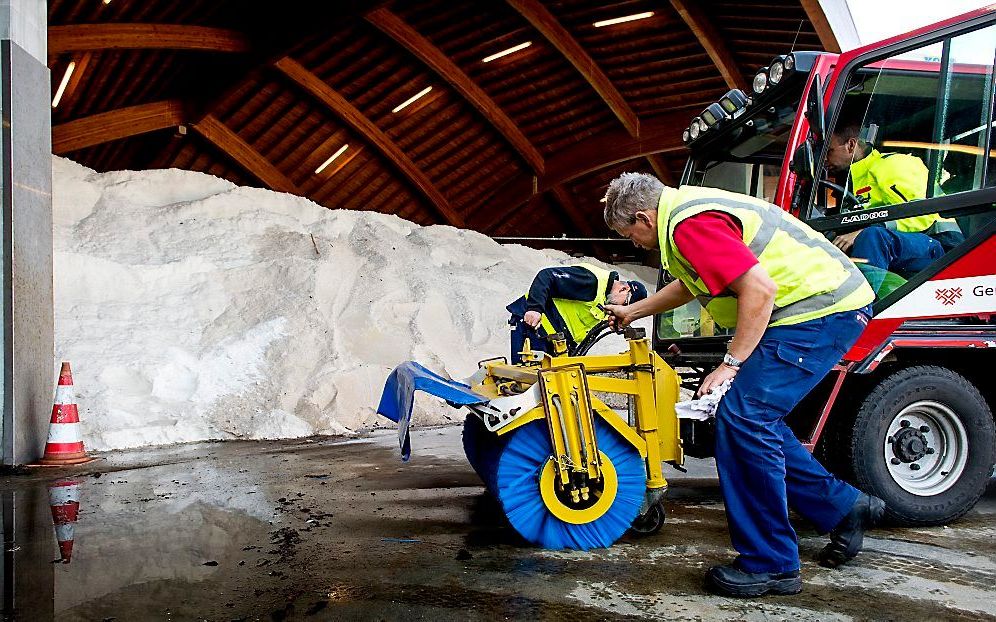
pixel 63 461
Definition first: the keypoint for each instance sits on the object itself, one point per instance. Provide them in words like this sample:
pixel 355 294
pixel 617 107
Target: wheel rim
pixel 926 448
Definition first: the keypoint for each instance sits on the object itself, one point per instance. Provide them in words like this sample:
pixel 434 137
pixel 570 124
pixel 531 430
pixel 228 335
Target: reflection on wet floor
pixel 317 530
pixel 64 500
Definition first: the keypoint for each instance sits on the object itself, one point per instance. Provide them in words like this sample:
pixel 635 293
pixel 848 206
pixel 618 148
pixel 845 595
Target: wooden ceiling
pixel 523 145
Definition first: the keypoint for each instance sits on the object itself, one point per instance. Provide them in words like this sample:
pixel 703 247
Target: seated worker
pixel 567 299
pixel 904 246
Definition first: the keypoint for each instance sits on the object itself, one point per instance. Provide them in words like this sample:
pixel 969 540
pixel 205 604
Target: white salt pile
pixel 194 309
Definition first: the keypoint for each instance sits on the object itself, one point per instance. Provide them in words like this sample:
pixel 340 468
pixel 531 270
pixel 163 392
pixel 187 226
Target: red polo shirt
pixel 713 243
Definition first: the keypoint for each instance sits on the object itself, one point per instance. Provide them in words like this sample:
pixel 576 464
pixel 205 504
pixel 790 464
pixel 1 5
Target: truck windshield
pixel 746 156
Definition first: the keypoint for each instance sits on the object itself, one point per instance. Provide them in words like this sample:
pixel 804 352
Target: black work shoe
pixel 849 534
pixel 731 581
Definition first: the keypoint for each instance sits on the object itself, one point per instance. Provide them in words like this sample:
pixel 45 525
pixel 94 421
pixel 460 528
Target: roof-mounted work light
pixel 712 115
pixel 733 101
pixel 776 70
pixel 779 68
pixel 760 81
pixel 695 128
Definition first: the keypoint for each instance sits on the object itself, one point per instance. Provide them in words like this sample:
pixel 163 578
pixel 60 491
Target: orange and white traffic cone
pixel 65 442
pixel 64 497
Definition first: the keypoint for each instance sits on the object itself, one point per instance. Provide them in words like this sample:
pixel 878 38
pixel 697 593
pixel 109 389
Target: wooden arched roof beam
pixel 544 21
pixel 422 49
pixel 129 121
pixel 702 27
pixel 84 37
pixel 363 126
pixel 662 135
pixel 116 124
pixel 821 24
pixel 660 168
pixel 222 137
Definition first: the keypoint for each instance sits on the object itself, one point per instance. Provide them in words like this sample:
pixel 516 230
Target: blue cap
pixel 639 291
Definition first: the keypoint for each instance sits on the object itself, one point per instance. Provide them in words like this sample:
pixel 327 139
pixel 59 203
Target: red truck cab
pixel 908 413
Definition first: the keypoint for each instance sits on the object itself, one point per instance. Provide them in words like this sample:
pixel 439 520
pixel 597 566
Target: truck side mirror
pixel 804 166
pixel 803 162
pixel 814 109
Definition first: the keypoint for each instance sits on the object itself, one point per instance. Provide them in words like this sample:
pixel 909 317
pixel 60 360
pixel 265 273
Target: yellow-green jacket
pixel 889 178
pixel 567 298
pixel 580 316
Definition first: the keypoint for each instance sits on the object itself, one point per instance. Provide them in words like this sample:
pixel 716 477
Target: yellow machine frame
pixel 566 384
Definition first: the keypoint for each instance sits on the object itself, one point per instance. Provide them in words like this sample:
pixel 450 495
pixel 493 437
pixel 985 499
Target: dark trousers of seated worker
pixel 901 252
pixel 763 468
pixel 519 333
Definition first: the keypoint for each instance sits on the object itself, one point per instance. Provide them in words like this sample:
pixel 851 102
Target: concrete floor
pixel 332 530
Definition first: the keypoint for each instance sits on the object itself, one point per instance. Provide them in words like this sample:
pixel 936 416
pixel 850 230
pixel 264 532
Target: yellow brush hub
pixel 562 505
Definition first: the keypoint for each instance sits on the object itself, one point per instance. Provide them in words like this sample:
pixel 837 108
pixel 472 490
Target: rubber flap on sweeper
pixel 399 396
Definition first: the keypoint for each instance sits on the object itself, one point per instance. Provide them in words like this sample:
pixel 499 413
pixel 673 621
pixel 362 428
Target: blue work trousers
pixel 896 251
pixel 763 468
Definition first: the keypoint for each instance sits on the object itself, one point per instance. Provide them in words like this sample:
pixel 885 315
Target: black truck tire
pixel 923 441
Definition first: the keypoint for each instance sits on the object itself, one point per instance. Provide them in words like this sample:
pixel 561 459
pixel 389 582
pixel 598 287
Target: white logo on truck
pixel 863 216
pixel 966 295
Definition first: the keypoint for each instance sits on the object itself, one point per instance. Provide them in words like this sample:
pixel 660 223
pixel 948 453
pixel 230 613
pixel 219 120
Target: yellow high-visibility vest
pixel 814 278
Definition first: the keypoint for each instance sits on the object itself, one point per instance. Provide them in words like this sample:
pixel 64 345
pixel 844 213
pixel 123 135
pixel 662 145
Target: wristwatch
pixel 731 361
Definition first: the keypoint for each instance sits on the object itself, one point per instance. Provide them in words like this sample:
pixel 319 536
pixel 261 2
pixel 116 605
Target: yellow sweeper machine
pixel 568 470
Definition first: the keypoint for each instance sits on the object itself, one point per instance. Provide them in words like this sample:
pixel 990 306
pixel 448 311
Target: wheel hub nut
pixel 909 444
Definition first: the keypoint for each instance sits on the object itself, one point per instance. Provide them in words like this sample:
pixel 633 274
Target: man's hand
pixel 718 376
pixel 845 241
pixel 532 318
pixel 618 316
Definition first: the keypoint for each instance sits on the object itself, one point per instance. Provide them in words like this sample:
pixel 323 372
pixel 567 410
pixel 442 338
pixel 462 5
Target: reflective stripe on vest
pixel 810 284
pixel 580 316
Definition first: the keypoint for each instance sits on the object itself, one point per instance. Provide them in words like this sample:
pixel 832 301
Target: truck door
pixel 907 173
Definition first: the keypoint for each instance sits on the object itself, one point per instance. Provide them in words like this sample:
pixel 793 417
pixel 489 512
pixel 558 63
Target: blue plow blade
pixel 399 396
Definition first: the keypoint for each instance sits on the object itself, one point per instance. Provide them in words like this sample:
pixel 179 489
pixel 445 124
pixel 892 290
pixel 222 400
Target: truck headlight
pixel 760 81
pixel 790 62
pixel 686 136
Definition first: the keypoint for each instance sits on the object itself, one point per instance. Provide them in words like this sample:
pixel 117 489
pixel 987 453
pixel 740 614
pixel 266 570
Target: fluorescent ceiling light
pixel 511 50
pixel 64 83
pixel 620 20
pixel 335 155
pixel 412 99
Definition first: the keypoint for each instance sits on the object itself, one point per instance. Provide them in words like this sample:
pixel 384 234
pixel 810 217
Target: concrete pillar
pixel 26 259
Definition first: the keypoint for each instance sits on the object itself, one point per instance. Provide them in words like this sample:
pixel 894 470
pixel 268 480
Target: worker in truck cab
pixel 568 300
pixel 798 304
pixel 904 246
